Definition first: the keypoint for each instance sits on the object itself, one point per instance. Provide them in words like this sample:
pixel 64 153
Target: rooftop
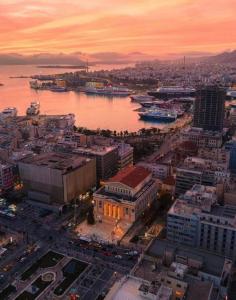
pixel 131 288
pixel 95 150
pixel 59 161
pixel 131 176
pixel 212 263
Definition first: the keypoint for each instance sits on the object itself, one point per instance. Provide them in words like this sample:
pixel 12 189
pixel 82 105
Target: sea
pixel 91 111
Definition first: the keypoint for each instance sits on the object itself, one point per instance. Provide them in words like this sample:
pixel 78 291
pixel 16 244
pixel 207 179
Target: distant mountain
pixel 76 58
pixel 225 57
pixel 39 59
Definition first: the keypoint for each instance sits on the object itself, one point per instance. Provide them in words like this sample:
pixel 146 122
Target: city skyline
pixel 157 28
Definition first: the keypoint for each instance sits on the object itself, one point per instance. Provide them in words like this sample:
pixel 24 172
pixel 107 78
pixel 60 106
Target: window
pixel 100 204
pixel 126 210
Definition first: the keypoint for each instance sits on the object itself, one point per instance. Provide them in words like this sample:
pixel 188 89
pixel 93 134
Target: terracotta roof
pixel 131 176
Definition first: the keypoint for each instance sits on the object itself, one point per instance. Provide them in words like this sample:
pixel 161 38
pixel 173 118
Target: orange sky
pixel 157 27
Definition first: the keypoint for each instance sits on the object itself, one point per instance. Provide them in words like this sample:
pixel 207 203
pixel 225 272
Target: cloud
pixel 155 27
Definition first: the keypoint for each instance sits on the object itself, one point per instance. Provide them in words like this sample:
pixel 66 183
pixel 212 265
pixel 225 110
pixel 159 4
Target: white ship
pixel 109 91
pixel 33 109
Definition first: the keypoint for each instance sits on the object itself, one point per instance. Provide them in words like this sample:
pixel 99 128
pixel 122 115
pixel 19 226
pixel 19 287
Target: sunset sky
pixel 155 27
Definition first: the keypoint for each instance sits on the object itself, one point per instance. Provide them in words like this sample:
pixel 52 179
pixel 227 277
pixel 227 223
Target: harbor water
pixel 91 111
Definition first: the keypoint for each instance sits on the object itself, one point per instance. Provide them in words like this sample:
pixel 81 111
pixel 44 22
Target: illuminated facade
pixel 126 195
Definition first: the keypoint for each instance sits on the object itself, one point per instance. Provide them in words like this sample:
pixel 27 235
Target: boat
pixel 9 112
pixel 167 92
pixel 141 98
pixel 161 115
pixel 34 85
pixel 109 91
pixel 33 109
pixel 58 89
pixel 231 93
pixel 156 103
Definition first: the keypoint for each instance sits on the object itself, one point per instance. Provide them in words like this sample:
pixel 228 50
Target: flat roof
pixel 130 287
pixel 199 290
pixel 212 263
pixel 95 150
pixel 53 160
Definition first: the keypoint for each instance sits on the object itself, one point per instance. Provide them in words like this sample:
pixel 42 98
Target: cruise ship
pixel 160 115
pixel 9 112
pixel 109 91
pixel 141 98
pixel 167 92
pixel 33 109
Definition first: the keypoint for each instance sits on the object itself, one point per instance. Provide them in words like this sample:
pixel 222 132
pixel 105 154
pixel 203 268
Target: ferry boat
pixel 167 92
pixel 109 91
pixel 33 109
pixel 141 98
pixel 161 115
pixel 9 112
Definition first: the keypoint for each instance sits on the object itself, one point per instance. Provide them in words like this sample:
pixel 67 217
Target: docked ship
pixel 231 93
pixel 109 91
pixel 9 112
pixel 155 103
pixel 33 109
pixel 34 84
pixel 58 89
pixel 167 92
pixel 141 98
pixel 160 115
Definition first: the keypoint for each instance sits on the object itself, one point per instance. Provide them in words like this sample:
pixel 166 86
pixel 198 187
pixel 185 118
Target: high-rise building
pixel 209 108
pixel 232 160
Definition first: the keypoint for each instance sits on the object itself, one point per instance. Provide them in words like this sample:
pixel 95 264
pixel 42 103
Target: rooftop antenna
pixel 87 66
pixel 184 70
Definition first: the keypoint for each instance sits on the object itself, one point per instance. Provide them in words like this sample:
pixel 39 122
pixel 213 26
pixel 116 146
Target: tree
pixel 165 200
pixel 90 216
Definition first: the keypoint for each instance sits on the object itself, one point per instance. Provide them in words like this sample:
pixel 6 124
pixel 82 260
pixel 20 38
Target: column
pixel 118 212
pixel 110 210
pixel 114 211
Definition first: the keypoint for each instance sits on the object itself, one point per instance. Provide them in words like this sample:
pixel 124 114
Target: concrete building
pixel 197 170
pixel 126 195
pixel 106 159
pixel 217 154
pixel 209 108
pixel 176 265
pixel 202 138
pixel 57 178
pixel 197 220
pixel 159 170
pixel 6 177
pixel 133 288
pixel 125 155
pixel 76 137
pixel 232 160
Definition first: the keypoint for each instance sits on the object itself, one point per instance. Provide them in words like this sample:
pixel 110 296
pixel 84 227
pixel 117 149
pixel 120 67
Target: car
pixel 107 253
pixel 22 259
pixel 118 256
pixel 7 267
pixel 132 253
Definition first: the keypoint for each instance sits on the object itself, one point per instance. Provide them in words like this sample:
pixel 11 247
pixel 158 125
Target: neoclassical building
pixel 126 195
